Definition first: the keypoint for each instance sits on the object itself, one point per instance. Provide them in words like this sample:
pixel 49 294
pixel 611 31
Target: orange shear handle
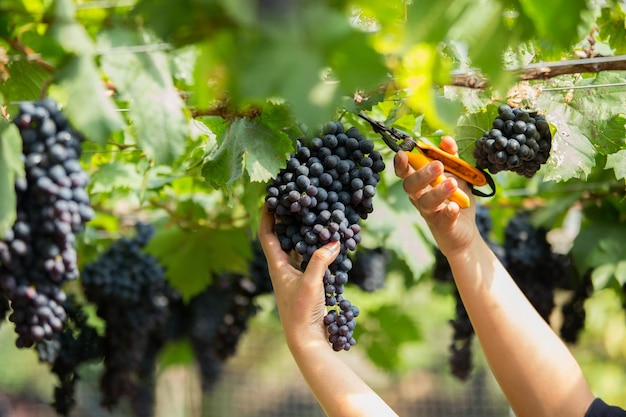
pixel 453 164
pixel 418 160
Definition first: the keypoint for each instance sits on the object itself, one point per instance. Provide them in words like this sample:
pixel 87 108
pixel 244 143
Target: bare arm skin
pixel 300 300
pixel 535 370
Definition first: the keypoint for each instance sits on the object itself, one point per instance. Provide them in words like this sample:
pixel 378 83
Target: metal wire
pixel 582 87
pixel 105 4
pixel 131 49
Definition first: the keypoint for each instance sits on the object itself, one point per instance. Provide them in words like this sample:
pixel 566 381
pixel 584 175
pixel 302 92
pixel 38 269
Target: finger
pixel 269 242
pixel 401 165
pixel 449 145
pixel 416 183
pixel 320 260
pixel 435 199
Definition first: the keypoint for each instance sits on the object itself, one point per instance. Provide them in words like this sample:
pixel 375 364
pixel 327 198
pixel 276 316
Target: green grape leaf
pixel 602 276
pixel 617 161
pixel 609 135
pixel 10 168
pixel 611 26
pixel 556 21
pixel 87 105
pixel 176 352
pixel 253 195
pixel 155 106
pixel 430 21
pixel 387 327
pixel 278 117
pixel 572 154
pixel 260 144
pixel 115 176
pixel 406 241
pixel 25 82
pixel 262 147
pixel 70 35
pixel 601 243
pixel 223 164
pixel 600 102
pixel 192 257
pixel 355 105
pixel 356 64
pixel 620 272
pixel 471 127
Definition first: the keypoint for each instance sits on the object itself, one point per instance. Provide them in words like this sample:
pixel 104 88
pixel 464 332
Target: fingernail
pixel 333 247
pixel 433 167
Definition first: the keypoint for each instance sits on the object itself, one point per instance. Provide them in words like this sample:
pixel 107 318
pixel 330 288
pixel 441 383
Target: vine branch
pixel 546 70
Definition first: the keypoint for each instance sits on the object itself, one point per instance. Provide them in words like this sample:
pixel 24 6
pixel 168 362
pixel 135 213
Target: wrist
pixel 304 338
pixel 460 247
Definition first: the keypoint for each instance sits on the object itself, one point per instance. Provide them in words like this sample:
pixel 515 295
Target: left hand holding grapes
pixel 299 295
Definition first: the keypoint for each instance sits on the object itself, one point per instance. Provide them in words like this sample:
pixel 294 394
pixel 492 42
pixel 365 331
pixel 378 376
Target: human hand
pixel 299 295
pixel 453 229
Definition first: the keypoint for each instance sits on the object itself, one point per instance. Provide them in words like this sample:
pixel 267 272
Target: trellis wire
pixel 130 49
pixel 582 87
pixel 105 4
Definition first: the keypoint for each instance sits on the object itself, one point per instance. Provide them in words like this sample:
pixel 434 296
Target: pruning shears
pixel 421 154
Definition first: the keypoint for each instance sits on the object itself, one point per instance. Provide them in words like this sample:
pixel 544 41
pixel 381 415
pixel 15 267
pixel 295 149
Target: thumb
pixel 321 258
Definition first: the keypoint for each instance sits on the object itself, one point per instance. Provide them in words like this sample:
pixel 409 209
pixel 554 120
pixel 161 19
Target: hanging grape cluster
pixel 369 268
pixel 141 312
pixel 518 141
pixel 79 343
pixel 322 194
pixel 132 296
pixel 37 254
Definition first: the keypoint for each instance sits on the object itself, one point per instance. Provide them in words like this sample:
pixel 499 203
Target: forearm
pixel 534 368
pixel 327 375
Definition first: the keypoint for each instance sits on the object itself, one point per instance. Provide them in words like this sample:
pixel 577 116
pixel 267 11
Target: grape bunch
pixel 530 260
pixel 132 296
pixel 77 344
pixel 218 317
pixel 325 190
pixel 518 141
pixel 37 255
pixel 573 311
pixel 369 268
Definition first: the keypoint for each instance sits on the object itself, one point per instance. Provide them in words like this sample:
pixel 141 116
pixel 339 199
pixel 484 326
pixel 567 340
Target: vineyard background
pixel 190 107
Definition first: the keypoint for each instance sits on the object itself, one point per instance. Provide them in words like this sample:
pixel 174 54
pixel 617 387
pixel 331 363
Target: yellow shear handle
pixel 418 160
pixel 453 164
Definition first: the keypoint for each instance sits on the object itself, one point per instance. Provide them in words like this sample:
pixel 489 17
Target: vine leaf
pixel 155 106
pixel 192 257
pixel 406 241
pixel 599 247
pixel 611 25
pixel 90 109
pixel 587 122
pixel 617 161
pixel 572 154
pixel 25 82
pixel 115 176
pixel 471 127
pixel 260 144
pixel 10 168
pixel 389 326
pixel 609 135
pixel 557 21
